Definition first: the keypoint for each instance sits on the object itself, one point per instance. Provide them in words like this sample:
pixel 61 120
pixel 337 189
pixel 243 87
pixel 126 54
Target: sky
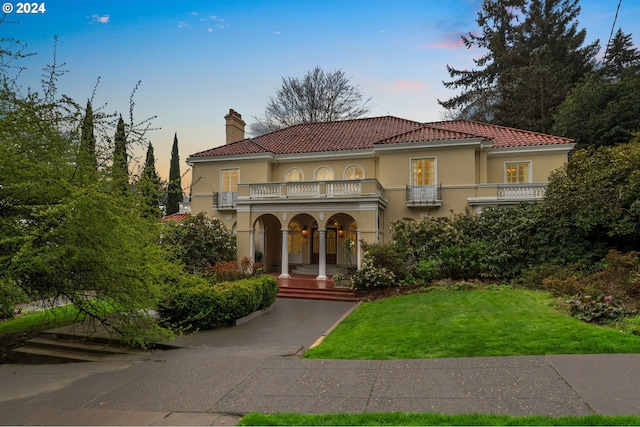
pixel 198 59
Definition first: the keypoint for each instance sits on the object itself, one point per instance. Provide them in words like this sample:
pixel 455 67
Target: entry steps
pixel 335 294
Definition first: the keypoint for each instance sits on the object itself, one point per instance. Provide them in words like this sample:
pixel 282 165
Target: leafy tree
pixel 317 97
pixel 592 206
pixel 175 195
pixel 601 111
pixel 198 242
pixel 63 237
pixel 120 168
pixel 149 185
pixel 535 55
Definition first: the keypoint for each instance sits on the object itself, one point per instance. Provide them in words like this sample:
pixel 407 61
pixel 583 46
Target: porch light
pixel 304 232
pixel 341 232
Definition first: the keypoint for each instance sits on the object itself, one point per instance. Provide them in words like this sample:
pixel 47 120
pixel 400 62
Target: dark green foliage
pixel 621 56
pixel 149 186
pixel 87 162
pixel 592 206
pixel 198 242
pixel 120 168
pixel 535 55
pixel 174 195
pixel 601 111
pixel 206 306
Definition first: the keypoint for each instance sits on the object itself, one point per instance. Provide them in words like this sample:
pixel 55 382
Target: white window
pixel 517 172
pixel 294 174
pixel 423 172
pixel 229 181
pixel 353 172
pixel 323 173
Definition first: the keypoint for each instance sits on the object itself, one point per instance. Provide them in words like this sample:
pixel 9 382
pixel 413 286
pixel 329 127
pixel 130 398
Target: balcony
pixel 225 200
pixel 522 192
pixel 339 189
pixel 424 195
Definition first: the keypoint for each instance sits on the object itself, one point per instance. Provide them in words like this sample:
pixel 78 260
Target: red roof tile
pixel 177 217
pixel 360 134
pixel 502 136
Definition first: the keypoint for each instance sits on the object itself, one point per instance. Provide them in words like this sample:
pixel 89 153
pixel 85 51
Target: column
pixel 252 248
pixel 358 250
pixel 322 267
pixel 284 272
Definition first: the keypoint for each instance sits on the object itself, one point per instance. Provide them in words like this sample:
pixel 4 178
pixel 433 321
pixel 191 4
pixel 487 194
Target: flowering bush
pixel 602 309
pixel 371 276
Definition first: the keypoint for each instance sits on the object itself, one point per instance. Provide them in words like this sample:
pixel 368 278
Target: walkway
pixel 220 374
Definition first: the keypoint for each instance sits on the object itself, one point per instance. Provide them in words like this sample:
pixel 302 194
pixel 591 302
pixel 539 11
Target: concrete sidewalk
pixel 219 375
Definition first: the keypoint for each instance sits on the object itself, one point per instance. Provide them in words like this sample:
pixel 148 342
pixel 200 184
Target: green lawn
pixel 467 324
pixel 413 419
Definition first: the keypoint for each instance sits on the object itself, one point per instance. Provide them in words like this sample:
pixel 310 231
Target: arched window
pixel 294 174
pixel 353 172
pixel 323 173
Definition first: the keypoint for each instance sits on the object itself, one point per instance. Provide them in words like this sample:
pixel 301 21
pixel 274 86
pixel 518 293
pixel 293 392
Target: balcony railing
pixel 311 189
pixel 424 195
pixel 225 199
pixel 522 191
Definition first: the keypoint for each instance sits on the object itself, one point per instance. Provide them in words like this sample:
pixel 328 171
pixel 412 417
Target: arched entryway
pixel 266 242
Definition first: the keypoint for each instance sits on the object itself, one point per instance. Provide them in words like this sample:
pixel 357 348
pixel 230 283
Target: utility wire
pixel 606 51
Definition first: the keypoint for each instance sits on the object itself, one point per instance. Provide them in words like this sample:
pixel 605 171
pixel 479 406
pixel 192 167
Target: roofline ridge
pixel 505 127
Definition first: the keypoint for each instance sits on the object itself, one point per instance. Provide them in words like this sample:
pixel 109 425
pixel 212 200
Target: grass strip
pixel 421 419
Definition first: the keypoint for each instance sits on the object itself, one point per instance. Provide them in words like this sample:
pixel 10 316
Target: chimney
pixel 235 126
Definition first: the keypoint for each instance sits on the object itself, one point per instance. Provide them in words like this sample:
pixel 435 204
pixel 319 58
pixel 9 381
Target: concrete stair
pixel 53 347
pixel 313 269
pixel 335 294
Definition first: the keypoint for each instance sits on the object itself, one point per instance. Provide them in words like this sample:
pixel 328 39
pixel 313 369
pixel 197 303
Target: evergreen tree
pixel 603 109
pixel 149 185
pixel 535 56
pixel 174 196
pixel 87 163
pixel 621 56
pixel 120 169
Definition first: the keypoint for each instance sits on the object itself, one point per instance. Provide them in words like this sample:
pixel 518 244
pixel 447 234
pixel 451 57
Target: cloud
pixel 277 33
pixel 104 19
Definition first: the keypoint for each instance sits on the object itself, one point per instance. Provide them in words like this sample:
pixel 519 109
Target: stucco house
pixel 295 195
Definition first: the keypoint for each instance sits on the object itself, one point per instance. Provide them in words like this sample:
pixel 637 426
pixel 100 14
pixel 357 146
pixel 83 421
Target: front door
pixel 332 246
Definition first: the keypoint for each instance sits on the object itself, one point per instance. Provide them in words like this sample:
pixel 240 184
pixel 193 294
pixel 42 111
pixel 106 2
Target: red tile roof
pixel 501 136
pixel 177 217
pixel 366 133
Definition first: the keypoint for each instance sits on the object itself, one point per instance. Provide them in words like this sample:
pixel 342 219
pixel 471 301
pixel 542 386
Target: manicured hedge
pixel 207 306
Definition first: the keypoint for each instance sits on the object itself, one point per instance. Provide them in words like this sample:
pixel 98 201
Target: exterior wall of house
pixel 470 175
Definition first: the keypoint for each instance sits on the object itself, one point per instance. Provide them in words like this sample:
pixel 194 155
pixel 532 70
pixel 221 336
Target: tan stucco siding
pixel 542 164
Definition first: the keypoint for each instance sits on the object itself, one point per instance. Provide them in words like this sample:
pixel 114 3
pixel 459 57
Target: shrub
pixel 371 276
pixel 427 270
pixel 602 309
pixel 389 257
pixel 205 306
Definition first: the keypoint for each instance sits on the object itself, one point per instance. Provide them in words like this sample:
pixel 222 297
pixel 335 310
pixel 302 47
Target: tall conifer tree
pixel 536 54
pixel 120 169
pixel 150 185
pixel 174 196
pixel 87 162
